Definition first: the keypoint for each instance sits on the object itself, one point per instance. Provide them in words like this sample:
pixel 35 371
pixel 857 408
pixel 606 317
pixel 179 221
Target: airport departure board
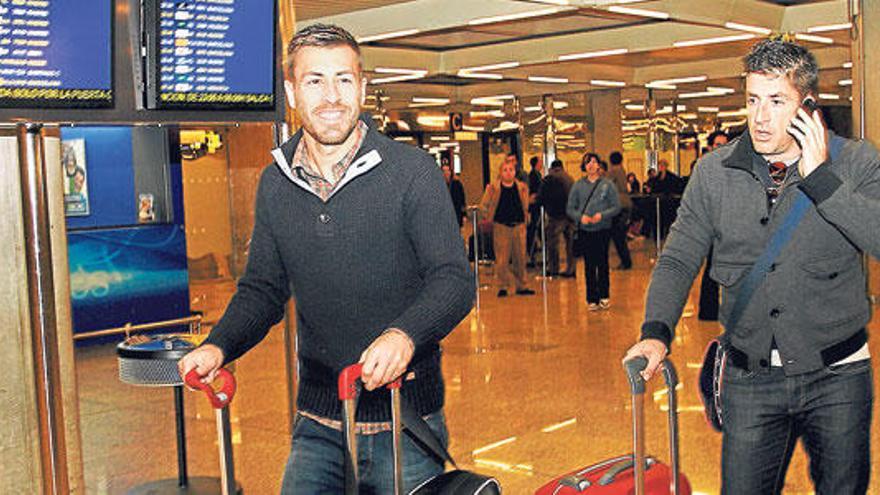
pixel 211 54
pixel 56 53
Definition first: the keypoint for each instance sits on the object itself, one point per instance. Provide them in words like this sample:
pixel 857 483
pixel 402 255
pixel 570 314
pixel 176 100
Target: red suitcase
pixel 617 476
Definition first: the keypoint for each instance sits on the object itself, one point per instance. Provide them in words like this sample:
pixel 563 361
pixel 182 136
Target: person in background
pixel 359 229
pixel 709 291
pixel 592 204
pixel 797 363
pixel 536 175
pixel 553 196
pixel 620 223
pixel 456 193
pixel 632 184
pixel 506 202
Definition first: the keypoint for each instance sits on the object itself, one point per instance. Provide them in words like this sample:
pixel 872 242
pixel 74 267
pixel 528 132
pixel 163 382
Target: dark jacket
pixel 554 190
pixel 814 296
pixel 456 193
pixel 384 251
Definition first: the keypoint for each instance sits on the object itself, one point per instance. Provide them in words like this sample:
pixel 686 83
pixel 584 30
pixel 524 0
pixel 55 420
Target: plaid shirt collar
pixel 324 186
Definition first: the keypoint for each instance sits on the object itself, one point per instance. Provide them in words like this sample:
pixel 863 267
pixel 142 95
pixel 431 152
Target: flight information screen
pixel 212 54
pixel 56 53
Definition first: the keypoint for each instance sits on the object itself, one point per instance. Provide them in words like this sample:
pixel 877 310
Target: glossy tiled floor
pixel 534 388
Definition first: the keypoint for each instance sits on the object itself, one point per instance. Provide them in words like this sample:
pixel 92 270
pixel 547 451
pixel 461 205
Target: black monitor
pixel 210 54
pixel 56 54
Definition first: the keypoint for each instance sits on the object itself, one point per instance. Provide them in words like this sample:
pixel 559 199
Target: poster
pixel 146 213
pixel 76 186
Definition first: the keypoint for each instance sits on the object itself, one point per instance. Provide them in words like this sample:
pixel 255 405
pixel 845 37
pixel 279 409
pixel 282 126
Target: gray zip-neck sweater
pixel 382 252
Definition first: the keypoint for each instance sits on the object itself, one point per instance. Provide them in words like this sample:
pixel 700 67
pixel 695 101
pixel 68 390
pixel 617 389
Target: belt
pixel 830 355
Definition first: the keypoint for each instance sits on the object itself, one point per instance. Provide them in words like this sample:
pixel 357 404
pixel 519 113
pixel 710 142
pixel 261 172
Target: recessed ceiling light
pixel 678 80
pixel 829 27
pixel 639 12
pixel 610 84
pixel 600 53
pixel 385 36
pixel 847 65
pixel 709 41
pixel 484 68
pixel 845 82
pixel 707 109
pixel 829 96
pixel 479 75
pixel 813 38
pixel 513 17
pixel 543 79
pixel 745 27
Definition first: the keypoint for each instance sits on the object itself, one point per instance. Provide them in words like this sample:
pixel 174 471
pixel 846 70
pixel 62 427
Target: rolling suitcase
pixel 456 482
pixel 632 473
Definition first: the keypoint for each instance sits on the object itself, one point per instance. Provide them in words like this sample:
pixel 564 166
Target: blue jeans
pixel 316 462
pixel 766 412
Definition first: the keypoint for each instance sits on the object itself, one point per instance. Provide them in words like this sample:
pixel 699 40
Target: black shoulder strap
pixel 419 429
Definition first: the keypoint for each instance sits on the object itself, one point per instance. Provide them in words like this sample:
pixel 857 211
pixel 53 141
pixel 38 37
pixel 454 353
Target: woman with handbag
pixel 592 204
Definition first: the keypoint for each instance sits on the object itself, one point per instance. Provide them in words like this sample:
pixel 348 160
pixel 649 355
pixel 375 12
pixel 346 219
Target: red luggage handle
pixel 348 381
pixel 219 398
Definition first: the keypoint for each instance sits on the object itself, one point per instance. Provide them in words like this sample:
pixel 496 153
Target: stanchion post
pixel 474 216
pixel 543 247
pixel 657 231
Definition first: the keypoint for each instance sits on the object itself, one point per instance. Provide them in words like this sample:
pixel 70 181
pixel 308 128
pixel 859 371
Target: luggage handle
pixel 348 387
pixel 633 368
pixel 219 398
pixel 620 467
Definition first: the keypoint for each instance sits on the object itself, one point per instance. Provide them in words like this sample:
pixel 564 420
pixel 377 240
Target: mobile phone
pixel 810 104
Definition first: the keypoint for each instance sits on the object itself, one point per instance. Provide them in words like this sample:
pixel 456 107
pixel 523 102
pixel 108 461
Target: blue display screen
pixel 56 53
pixel 216 53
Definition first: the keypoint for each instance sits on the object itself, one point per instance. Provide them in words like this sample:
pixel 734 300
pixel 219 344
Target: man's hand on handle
pixel 653 350
pixel 206 360
pixel 386 358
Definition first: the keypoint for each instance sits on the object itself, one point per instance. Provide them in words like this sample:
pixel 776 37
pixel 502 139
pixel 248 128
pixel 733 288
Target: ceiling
pixel 447 49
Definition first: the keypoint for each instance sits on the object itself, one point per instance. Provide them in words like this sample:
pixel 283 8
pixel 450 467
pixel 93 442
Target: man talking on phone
pixel 797 363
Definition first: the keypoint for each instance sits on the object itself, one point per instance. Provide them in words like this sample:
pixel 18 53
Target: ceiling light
pixel 688 116
pixel 433 120
pixel 847 65
pixel 845 82
pixel 403 77
pixel 536 120
pixel 542 79
pixel 385 36
pixel 734 113
pixel 610 84
pixel 475 75
pixel 562 137
pixel 536 108
pixel 483 114
pixel 720 90
pixel 512 17
pixel 829 96
pixel 707 109
pixel 668 109
pixel 745 27
pixel 559 105
pixel 829 27
pixel 403 138
pixel 450 144
pixel 678 80
pixel 660 86
pixel 638 12
pixel 708 93
pixel 495 101
pixel 600 53
pixel 397 70
pixel 439 138
pixel 422 105
pixel 709 41
pixel 483 68
pixel 634 107
pixel 816 39
pixel 472 128
pixel 421 99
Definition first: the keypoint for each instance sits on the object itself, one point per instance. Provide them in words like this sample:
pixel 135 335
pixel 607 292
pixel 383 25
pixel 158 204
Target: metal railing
pixel 194 321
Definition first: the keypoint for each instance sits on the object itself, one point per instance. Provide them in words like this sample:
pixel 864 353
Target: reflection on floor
pixel 534 389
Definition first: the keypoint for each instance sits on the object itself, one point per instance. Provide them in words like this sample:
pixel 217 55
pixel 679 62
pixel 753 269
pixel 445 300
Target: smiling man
pixel 797 362
pixel 359 230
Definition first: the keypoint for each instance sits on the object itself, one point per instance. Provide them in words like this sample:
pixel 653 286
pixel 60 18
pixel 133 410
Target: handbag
pixel 711 375
pixel 579 239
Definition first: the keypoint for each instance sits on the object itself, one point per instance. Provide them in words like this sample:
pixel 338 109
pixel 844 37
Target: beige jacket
pixel 492 194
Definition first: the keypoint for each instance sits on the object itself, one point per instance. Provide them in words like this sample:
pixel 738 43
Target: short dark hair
pixel 586 159
pixel 533 161
pixel 320 35
pixel 715 135
pixel 616 158
pixel 604 165
pixel 557 163
pixel 782 57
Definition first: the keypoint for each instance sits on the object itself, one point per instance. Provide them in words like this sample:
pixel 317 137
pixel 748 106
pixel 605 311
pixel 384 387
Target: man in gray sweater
pixel 797 362
pixel 359 229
